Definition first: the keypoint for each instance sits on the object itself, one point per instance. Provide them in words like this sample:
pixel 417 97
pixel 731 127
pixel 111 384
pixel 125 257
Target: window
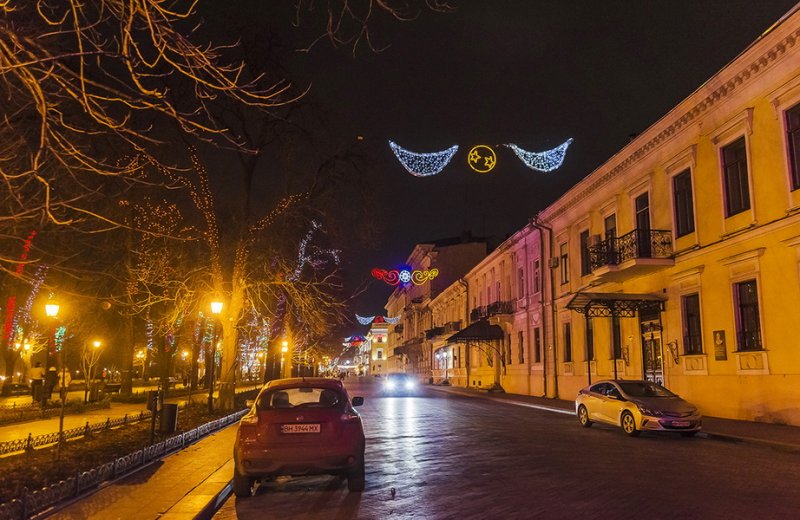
pixel 616 338
pixel 748 328
pixel 642 208
pixel 589 340
pixel 734 166
pixel 567 343
pixel 380 354
pixel 508 349
pixel 564 263
pixel 586 267
pixel 521 284
pixel 521 344
pixel 537 276
pixel 692 337
pixel 537 345
pixel 682 198
pixel 793 138
pixel 610 225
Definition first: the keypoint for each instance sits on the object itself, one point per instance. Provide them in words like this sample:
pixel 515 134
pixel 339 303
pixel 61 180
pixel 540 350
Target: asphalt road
pixel 443 456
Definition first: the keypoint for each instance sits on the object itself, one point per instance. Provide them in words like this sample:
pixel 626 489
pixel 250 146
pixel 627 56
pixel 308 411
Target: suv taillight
pixel 349 417
pixel 250 419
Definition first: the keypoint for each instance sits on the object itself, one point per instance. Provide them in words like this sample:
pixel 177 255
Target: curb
pixel 213 505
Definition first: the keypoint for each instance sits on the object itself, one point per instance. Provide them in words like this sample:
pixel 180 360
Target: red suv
pixel 300 426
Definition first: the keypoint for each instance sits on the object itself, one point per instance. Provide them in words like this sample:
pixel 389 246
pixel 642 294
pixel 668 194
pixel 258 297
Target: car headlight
pixel 390 385
pixel 649 411
pixel 409 385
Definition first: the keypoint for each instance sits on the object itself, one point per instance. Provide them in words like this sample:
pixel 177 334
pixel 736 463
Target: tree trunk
pixel 126 383
pixel 230 319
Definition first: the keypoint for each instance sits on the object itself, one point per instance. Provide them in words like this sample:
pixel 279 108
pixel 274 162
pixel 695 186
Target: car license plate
pixel 680 424
pixel 300 428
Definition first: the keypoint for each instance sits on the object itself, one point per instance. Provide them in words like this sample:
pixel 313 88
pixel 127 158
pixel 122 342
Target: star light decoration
pixel 367 320
pixel 423 164
pixel 482 158
pixel 546 161
pixel 404 276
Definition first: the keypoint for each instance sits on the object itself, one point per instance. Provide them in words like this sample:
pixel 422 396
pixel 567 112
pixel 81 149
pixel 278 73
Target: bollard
pixel 29 443
pixel 87 431
pixel 108 423
pixel 125 420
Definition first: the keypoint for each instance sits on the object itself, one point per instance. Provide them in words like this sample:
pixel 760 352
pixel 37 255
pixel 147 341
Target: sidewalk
pixel 774 435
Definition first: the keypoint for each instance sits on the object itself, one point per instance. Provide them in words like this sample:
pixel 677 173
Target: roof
pixel 481 330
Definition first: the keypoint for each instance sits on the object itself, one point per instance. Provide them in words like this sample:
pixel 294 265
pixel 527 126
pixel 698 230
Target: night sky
pixel 533 73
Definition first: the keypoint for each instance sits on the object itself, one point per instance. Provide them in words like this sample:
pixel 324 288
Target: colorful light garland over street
pixel 404 276
pixel 368 320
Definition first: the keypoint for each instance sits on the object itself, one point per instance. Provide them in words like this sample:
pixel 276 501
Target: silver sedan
pixel 636 406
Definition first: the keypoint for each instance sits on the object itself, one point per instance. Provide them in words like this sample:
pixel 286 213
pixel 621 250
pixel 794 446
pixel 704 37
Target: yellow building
pixel 678 259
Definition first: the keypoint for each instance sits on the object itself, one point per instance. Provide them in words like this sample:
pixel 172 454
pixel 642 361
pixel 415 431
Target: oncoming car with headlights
pixel 400 384
pixel 636 406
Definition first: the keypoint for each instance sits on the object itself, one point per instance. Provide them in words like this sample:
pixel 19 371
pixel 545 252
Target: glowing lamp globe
pixel 51 309
pixel 216 307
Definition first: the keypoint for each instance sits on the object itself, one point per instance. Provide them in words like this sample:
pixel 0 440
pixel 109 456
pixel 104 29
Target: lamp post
pixel 284 350
pixel 216 310
pixel 51 310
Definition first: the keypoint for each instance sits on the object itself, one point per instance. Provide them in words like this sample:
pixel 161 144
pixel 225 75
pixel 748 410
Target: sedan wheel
pixel 583 417
pixel 629 424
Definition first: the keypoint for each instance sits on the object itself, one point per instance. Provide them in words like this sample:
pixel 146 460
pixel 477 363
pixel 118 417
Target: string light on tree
pixel 423 164
pixel 546 161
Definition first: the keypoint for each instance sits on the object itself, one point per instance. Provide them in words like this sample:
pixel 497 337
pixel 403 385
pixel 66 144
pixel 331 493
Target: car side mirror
pixel 249 403
pixel 358 401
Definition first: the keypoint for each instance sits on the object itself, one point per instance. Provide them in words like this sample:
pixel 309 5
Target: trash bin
pixel 169 418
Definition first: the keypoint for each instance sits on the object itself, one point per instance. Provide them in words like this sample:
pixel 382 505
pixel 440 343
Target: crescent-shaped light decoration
pixel 423 164
pixel 546 161
pixel 365 320
pixel 393 321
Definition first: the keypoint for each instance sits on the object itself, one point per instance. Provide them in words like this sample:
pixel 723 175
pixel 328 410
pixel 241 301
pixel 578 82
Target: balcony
pixel 493 309
pixel 639 252
pixel 434 332
pixel 452 326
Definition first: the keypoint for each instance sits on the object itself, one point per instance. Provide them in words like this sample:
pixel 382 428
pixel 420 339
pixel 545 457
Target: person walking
pixel 37 381
pixel 50 382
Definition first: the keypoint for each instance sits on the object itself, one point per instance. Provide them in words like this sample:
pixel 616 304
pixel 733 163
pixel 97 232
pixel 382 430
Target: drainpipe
pixel 554 331
pixel 467 352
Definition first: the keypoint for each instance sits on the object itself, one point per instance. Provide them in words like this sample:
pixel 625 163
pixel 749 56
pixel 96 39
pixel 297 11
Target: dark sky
pixel 529 72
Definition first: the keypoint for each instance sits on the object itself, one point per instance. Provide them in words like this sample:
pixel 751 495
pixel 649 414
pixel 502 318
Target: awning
pixel 605 305
pixel 481 330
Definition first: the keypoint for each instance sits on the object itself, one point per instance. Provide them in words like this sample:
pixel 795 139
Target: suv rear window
pixel 306 397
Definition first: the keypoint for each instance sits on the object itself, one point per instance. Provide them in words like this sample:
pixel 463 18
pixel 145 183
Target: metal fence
pixel 38 501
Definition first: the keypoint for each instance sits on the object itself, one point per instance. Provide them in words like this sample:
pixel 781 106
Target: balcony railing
pixel 493 309
pixel 452 326
pixel 434 332
pixel 639 243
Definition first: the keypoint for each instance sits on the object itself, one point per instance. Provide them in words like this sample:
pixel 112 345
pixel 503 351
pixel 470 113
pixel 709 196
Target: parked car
pixel 398 383
pixel 300 426
pixel 16 389
pixel 636 406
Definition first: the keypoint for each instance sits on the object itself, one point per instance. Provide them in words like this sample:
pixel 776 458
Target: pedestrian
pixel 50 382
pixel 64 380
pixel 37 381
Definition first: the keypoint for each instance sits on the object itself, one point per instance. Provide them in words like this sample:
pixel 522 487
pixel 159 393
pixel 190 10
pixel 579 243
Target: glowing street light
pixel 284 350
pixel 216 310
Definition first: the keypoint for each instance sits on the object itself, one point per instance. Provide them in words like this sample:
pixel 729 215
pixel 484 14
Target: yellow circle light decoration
pixel 482 158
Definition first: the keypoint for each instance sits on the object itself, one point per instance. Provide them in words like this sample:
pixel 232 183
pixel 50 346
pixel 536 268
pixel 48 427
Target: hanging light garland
pixel 404 276
pixel 376 319
pixel 482 158
pixel 546 161
pixel 423 164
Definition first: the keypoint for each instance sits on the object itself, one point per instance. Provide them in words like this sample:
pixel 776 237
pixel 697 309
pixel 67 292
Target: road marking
pixel 537 406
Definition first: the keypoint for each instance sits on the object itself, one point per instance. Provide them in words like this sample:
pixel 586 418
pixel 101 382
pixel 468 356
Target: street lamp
pixel 51 310
pixel 216 310
pixel 284 350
